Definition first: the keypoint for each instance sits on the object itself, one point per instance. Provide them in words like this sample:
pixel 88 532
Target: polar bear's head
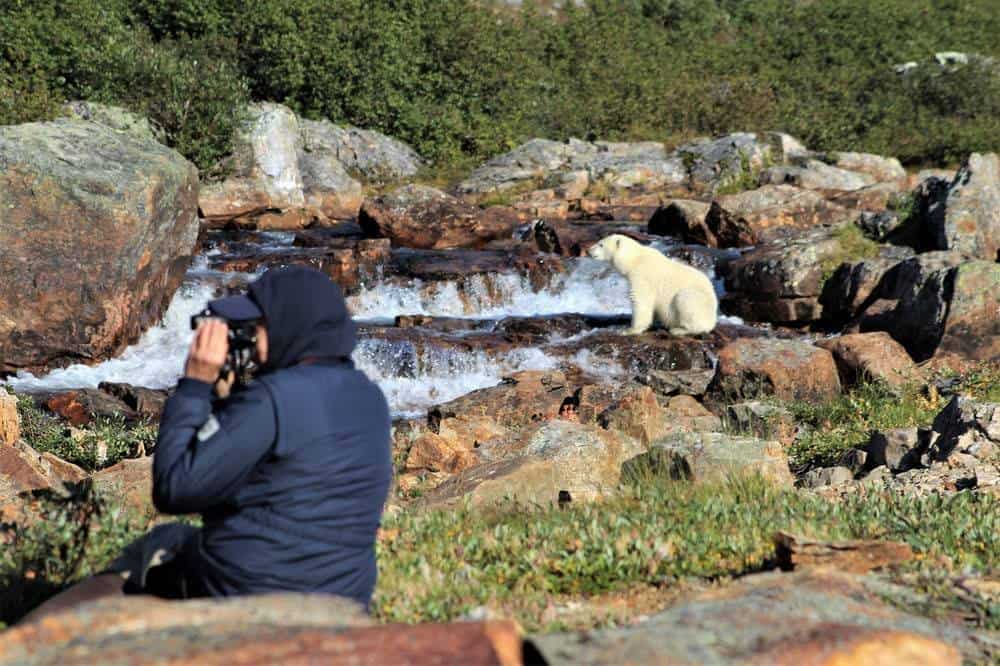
pixel 612 248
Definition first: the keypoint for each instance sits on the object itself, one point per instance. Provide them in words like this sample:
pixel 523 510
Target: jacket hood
pixel 305 315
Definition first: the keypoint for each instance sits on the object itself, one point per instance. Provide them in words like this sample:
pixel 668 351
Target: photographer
pixel 290 471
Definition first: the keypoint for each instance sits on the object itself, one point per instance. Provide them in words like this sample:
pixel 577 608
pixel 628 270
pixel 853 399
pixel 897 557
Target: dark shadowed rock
pixel 97 228
pixel 683 219
pixel 966 427
pixel 781 281
pixel 421 217
pixel 855 284
pixel 799 618
pixel 898 449
pixel 964 216
pixel 147 403
pixel 787 369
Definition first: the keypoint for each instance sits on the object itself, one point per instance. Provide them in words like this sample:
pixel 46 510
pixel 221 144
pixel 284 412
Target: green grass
pixel 100 444
pixel 847 421
pixel 854 245
pixel 435 566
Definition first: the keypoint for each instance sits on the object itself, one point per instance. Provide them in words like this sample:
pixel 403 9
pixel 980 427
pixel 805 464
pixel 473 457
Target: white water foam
pixel 412 384
pixel 156 361
pixel 591 287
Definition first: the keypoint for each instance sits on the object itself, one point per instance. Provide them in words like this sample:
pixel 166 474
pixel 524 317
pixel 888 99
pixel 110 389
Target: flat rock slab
pixel 283 628
pixel 798 552
pixel 809 618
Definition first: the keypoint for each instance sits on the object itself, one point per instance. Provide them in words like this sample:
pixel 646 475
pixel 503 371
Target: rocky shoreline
pixel 834 270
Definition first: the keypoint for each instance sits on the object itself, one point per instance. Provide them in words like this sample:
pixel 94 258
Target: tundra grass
pixel 439 565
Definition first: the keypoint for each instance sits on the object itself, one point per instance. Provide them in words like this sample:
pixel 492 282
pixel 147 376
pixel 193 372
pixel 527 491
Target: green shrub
pixel 69 538
pixel 100 444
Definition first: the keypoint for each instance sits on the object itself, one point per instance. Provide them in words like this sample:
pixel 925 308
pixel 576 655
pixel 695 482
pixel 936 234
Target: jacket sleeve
pixel 203 456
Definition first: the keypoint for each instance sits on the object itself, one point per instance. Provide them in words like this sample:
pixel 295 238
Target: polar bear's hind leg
pixel 689 316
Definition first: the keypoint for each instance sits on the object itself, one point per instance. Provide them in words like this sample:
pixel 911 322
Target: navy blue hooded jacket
pixel 291 472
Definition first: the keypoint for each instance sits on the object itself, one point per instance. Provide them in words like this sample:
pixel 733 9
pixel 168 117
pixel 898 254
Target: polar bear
pixel 681 297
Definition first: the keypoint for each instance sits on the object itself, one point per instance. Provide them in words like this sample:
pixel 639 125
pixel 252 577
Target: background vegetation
pixel 465 79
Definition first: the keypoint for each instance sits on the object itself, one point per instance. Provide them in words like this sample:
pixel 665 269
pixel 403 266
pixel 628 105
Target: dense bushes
pixel 462 79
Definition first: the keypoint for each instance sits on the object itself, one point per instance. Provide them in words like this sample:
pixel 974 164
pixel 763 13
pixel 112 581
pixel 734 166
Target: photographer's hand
pixel 208 351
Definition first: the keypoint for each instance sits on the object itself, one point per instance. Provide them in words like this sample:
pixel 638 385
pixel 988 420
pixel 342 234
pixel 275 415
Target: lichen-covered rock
pixel 964 216
pixel 788 369
pixel 618 166
pixel 871 357
pixel 781 281
pixel 816 175
pixel 704 457
pixel 557 461
pixel 97 228
pixel 882 169
pixel 114 117
pixel 368 155
pixel 282 176
pixel 716 162
pixel 422 217
pixel 768 213
pixel 776 618
pixel 274 628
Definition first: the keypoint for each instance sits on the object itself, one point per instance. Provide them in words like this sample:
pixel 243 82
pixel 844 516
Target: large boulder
pixel 882 169
pixel 781 281
pixel 939 308
pixel 720 162
pixel 856 283
pixel 557 461
pixel 274 628
pixel 816 175
pixel 810 617
pixel 871 357
pixel 278 179
pixel 569 167
pixel 964 216
pixel 369 156
pixel 768 213
pixel 97 228
pixel 23 469
pixel 787 369
pixel 707 457
pixel 422 217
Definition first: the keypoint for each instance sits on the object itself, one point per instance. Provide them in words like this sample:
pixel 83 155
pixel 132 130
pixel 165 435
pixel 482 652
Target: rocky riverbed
pixel 502 347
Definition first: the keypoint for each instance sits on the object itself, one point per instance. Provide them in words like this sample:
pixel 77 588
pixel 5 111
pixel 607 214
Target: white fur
pixel 681 297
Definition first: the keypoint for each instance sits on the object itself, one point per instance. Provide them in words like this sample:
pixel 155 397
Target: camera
pixel 241 359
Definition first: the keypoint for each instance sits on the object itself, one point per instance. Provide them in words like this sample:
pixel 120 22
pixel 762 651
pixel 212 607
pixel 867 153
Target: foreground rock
pixel 97 228
pixel 22 470
pixel 807 618
pixel 283 628
pixel 421 217
pixel 786 369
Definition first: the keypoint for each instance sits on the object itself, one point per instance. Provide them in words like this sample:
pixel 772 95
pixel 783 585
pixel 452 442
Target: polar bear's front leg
pixel 642 312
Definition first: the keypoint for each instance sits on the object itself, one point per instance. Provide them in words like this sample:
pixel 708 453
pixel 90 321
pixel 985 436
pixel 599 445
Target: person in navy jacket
pixel 290 472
